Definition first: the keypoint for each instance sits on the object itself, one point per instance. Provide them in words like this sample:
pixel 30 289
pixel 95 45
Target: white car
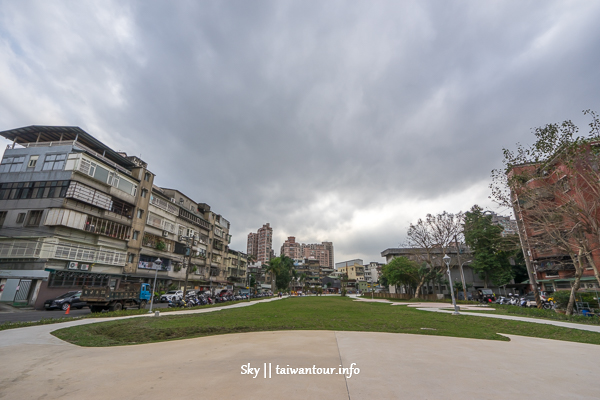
pixel 171 295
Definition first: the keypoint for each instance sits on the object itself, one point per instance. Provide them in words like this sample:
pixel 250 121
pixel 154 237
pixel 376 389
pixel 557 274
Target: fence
pixel 405 296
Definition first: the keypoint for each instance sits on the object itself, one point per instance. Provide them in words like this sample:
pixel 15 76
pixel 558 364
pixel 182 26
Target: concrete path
pixel 442 308
pixel 35 365
pixel 40 334
pixel 390 366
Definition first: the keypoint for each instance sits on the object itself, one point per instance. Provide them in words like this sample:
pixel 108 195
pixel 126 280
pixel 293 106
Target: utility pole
pixel 189 241
pixel 462 275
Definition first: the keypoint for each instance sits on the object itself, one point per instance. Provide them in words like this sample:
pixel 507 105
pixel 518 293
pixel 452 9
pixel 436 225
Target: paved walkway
pixel 442 308
pixel 36 365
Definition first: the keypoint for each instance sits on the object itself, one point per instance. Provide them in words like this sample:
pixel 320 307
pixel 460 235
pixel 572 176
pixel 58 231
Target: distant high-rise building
pixel 509 224
pixel 322 252
pixel 260 244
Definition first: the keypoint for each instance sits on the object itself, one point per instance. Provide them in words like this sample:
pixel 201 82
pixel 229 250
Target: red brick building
pixel 552 200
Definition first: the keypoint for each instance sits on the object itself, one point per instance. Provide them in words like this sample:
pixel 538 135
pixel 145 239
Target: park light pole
pixel 447 261
pixel 372 289
pixel 157 264
pixel 462 277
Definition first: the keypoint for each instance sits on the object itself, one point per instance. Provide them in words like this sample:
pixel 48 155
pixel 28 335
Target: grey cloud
pixel 267 109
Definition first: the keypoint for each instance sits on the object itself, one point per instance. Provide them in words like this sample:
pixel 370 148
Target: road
pixel 15 315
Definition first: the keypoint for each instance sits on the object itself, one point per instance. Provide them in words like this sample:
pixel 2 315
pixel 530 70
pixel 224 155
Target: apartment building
pixel 354 269
pixel 508 224
pixel 322 252
pixel 74 212
pixel 68 204
pixel 555 205
pixel 237 268
pixel 260 244
pixel 373 271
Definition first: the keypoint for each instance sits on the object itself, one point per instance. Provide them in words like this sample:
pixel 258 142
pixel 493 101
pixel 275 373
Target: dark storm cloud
pixel 308 115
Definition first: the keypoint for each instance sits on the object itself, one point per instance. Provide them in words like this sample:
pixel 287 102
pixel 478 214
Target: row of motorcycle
pixel 205 299
pixel 524 301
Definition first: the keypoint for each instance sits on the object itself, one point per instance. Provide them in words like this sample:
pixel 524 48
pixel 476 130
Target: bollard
pixel 157 313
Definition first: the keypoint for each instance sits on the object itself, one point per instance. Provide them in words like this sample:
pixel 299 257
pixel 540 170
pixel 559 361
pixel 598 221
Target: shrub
pixel 561 298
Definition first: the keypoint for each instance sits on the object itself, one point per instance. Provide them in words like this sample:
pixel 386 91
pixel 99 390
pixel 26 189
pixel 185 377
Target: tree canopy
pixel 401 272
pixel 282 268
pixel 491 255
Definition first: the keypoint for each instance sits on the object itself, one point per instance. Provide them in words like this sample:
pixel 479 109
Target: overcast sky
pixel 338 121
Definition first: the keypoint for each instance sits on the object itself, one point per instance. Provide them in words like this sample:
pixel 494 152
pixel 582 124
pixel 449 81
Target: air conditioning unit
pixel 180 238
pixel 195 243
pixel 165 233
pixel 73 265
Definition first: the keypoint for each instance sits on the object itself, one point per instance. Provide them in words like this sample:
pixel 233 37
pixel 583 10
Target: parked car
pixel 63 301
pixel 171 295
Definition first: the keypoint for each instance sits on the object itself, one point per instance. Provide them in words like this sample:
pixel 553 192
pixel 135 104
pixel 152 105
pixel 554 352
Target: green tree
pixel 401 272
pixel 491 258
pixel 280 269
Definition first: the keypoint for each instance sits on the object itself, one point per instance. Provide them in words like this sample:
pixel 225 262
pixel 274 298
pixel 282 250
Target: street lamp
pixel 372 289
pixel 447 261
pixel 462 277
pixel 157 264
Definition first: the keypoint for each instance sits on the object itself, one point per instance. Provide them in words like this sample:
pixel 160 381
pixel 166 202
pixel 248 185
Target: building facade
pixel 562 183
pixel 353 269
pixel 260 244
pixel 322 252
pixel 74 212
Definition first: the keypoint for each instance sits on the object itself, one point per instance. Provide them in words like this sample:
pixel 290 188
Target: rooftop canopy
pixel 45 134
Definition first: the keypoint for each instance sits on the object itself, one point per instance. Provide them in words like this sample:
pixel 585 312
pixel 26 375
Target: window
pixel 136 235
pixel 130 258
pixel 34 218
pixel 33 190
pixel 147 177
pixel 54 162
pixel 140 213
pixel 12 164
pixel 2 218
pixel 20 218
pixel 32 161
pixel 144 193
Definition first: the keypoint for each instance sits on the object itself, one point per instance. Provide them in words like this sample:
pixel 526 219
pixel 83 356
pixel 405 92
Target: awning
pixel 24 274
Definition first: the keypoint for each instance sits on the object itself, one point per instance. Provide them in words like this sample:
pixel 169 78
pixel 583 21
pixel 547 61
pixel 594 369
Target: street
pixel 11 314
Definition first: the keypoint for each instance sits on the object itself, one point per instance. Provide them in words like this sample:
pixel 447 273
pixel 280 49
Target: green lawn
pixel 111 314
pixel 311 313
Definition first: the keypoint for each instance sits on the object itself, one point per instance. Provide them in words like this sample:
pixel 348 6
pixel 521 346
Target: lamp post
pixel 447 261
pixel 372 289
pixel 462 277
pixel 157 263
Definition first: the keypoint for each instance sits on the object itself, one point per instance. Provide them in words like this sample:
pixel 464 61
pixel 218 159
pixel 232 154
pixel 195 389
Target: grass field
pixel 311 313
pixel 111 314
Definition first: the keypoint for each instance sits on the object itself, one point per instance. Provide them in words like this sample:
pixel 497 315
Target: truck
pixel 101 298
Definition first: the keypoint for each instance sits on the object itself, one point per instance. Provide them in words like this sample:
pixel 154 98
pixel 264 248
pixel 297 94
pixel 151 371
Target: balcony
pixel 85 222
pixel 194 219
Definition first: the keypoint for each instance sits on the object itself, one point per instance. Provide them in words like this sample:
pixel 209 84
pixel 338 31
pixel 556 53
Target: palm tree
pixel 294 278
pixel 274 268
pixel 249 260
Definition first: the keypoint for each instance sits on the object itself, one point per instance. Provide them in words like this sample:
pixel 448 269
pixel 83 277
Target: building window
pixel 140 213
pixel 147 177
pixel 32 161
pixel 11 164
pixel 144 193
pixel 20 218
pixel 34 218
pixel 2 218
pixel 130 258
pixel 136 235
pixel 54 162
